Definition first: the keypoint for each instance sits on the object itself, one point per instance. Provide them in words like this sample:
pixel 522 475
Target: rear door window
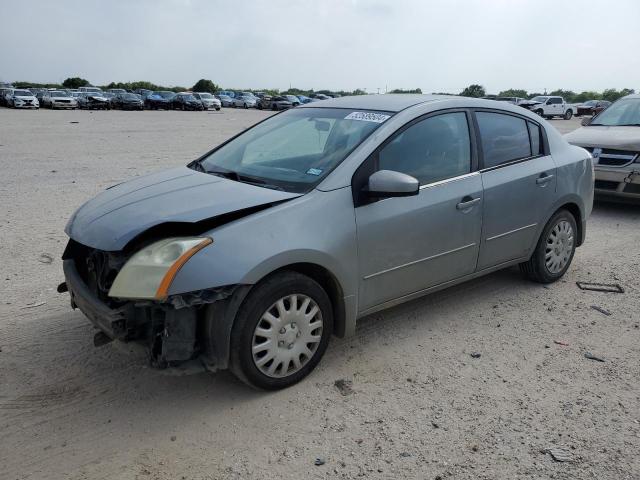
pixel 504 138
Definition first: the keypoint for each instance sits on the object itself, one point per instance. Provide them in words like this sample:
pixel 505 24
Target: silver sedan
pixel 252 256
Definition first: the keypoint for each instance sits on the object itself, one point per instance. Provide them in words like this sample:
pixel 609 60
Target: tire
pixel 538 268
pixel 274 107
pixel 257 308
pixel 568 114
pixel 217 109
pixel 246 106
pixel 259 106
pixel 540 112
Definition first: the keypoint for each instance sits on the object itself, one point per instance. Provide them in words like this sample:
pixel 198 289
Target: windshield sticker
pixel 367 117
pixel 314 171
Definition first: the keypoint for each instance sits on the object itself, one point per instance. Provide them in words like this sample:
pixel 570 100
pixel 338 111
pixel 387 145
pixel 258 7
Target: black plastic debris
pixel 591 356
pixel 603 311
pixel 600 287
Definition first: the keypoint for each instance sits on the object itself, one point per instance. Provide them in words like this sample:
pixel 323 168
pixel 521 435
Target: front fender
pixel 317 228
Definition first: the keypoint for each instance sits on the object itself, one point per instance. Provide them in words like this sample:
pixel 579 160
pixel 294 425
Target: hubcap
pixel 287 336
pixel 559 247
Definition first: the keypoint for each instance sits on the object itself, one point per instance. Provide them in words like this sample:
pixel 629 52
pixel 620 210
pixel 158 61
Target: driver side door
pixel 408 244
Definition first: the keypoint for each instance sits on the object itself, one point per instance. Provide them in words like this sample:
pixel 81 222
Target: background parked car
pixel 93 101
pixel 228 93
pixel 225 100
pixel 279 103
pixel 127 101
pixel 304 99
pixel 5 92
pixel 58 99
pixel 592 107
pixel 549 106
pixel 116 91
pixel 245 101
pixel 295 101
pixel 160 99
pixel 20 98
pixel 209 102
pixel 186 101
pixel 613 139
pixel 320 96
pixel 90 89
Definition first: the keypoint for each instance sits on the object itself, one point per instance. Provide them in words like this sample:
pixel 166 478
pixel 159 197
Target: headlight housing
pixel 148 274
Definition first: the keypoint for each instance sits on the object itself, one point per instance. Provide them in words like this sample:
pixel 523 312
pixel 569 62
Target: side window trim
pixel 476 127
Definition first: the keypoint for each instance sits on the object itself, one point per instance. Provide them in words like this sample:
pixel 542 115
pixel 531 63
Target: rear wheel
pixel 281 331
pixel 554 251
pixel 568 114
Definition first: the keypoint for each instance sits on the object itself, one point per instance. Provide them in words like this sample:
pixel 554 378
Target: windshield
pixel 295 150
pixel 623 112
pixel 187 97
pixel 22 93
pixel 58 93
pixel 205 95
pixel 539 99
pixel 166 94
pixel 130 96
pixel 591 103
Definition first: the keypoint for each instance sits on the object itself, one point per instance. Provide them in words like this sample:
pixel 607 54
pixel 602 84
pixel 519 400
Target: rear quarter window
pixel 504 138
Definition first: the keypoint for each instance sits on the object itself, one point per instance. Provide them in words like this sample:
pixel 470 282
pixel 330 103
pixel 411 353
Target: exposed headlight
pixel 148 273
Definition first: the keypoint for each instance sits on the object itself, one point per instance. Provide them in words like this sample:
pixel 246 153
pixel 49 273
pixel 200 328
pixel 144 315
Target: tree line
pixel 610 94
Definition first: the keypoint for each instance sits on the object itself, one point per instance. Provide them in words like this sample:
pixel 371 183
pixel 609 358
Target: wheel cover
pixel 559 247
pixel 287 336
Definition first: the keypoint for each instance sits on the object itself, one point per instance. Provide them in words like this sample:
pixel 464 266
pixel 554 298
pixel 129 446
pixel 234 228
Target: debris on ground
pixel 345 387
pixel 405 454
pixel 435 425
pixel 173 438
pixel 561 342
pixel 476 355
pixel 319 461
pixel 600 287
pixel 45 258
pixel 33 305
pixel 591 356
pixel 559 454
pixel 74 122
pixel 604 311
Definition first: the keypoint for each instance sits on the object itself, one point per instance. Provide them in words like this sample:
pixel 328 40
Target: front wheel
pixel 540 112
pixel 554 251
pixel 568 114
pixel 281 331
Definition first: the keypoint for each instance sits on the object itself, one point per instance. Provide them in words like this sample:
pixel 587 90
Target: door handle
pixel 467 202
pixel 544 179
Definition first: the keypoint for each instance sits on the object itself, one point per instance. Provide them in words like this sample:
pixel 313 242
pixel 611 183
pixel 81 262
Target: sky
pixel 436 45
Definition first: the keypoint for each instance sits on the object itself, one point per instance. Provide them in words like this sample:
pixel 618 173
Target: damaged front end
pixel 175 329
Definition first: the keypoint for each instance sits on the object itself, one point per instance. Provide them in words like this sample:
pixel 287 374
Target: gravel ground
pixel 415 402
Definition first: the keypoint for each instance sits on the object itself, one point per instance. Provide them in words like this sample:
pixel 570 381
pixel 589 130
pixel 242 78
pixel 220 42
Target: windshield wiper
pixel 233 175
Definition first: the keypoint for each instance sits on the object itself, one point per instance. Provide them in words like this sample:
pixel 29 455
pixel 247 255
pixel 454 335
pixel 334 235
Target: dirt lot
pixel 421 406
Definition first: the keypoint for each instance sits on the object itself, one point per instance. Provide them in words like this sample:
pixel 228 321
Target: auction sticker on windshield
pixel 367 117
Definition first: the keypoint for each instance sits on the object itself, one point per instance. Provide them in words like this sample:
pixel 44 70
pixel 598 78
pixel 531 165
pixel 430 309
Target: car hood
pixel 25 97
pixel 619 138
pixel 180 195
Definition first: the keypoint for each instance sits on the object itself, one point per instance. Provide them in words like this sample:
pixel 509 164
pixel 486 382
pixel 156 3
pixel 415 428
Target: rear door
pixel 519 180
pixel 408 244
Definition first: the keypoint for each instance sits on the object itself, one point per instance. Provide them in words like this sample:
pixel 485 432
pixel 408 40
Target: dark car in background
pixel 93 101
pixel 186 101
pixel 225 100
pixel 161 99
pixel 127 101
pixel 592 107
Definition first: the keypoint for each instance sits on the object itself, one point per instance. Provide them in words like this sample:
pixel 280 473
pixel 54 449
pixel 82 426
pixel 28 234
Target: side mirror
pixel 585 121
pixel 388 183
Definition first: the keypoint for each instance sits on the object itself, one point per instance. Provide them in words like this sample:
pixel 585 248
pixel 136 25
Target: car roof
pixel 389 102
pixel 633 95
